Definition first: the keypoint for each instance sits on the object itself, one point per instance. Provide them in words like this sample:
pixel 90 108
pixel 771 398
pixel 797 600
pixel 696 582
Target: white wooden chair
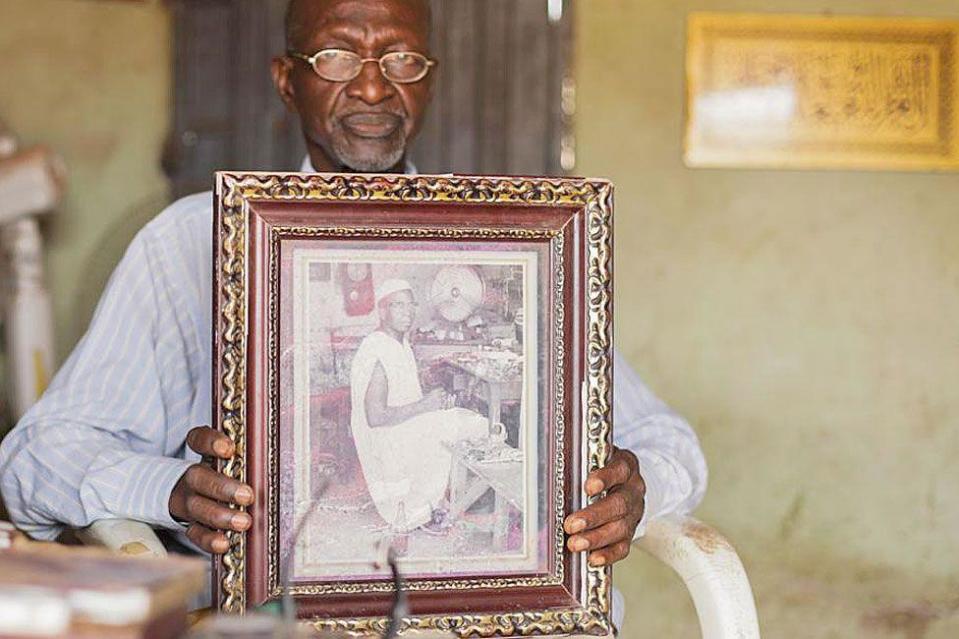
pixel 31 185
pixel 705 561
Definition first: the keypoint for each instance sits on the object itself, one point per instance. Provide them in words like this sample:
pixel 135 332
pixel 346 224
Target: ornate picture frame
pixel 497 293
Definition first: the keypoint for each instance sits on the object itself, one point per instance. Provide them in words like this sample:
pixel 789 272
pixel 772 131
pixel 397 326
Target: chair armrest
pixel 124 536
pixel 712 572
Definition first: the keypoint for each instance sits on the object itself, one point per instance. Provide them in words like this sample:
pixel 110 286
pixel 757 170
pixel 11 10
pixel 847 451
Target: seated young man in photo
pixel 401 435
pixel 121 430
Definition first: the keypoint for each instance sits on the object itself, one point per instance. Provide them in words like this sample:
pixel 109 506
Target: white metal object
pixel 554 10
pixel 712 572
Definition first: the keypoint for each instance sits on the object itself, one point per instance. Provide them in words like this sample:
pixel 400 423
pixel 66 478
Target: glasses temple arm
pixel 300 56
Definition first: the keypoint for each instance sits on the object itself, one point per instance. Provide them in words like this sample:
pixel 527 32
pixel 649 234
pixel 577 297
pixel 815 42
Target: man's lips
pixel 371 124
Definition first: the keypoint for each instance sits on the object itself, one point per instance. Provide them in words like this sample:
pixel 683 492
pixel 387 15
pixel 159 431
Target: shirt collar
pixel 307 167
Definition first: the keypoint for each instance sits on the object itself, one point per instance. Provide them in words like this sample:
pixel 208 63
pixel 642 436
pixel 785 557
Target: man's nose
pixel 370 86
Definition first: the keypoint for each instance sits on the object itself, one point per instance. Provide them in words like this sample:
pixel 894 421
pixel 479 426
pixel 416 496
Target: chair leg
pixel 28 316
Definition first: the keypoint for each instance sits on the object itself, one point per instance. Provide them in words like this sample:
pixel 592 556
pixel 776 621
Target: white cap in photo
pixel 388 287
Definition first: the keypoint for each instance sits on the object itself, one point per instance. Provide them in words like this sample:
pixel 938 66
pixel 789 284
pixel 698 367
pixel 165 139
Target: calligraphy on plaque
pixel 822 92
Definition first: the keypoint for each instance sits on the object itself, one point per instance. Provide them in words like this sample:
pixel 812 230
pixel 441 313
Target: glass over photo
pixel 412 413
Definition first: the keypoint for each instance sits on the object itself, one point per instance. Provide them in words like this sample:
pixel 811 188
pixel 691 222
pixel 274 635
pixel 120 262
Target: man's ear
pixel 282 68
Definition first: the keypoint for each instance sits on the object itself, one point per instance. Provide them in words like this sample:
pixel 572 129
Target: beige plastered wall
pixel 806 323
pixel 90 79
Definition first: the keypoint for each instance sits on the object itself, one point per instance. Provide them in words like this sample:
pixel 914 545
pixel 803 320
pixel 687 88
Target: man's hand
pixel 202 494
pixel 606 527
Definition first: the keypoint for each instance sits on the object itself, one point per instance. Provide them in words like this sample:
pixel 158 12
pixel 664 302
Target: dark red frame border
pixel 264 216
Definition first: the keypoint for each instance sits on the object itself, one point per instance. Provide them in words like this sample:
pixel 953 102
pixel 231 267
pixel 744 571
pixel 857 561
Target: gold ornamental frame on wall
pixel 255 214
pixel 808 92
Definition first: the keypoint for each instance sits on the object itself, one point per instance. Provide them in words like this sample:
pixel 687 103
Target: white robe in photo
pixel 405 464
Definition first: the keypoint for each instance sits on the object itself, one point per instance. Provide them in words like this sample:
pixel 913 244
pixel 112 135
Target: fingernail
pixel 579 543
pixel 240 521
pixel 598 560
pixel 576 525
pixel 221 448
pixel 244 494
pixel 220 546
pixel 594 486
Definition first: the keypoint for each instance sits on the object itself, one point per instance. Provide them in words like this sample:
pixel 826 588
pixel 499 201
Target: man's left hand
pixel 606 527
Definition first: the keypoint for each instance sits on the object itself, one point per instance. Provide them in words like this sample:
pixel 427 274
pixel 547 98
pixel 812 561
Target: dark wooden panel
pixel 226 113
pixel 252 86
pixel 493 88
pixel 526 133
pixel 430 151
pixel 560 75
pixel 498 89
pixel 462 90
pixel 203 129
pixel 287 148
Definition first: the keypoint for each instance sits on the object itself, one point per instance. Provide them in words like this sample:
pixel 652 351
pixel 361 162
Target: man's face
pixel 398 311
pixel 367 123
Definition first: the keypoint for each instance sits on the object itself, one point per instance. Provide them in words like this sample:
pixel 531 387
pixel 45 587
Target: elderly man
pixel 399 432
pixel 119 432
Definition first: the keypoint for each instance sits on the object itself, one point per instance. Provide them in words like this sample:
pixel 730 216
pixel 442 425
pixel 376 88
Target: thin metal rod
pixel 554 10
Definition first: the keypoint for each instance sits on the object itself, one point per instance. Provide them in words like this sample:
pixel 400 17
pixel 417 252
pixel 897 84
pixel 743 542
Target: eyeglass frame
pixel 311 60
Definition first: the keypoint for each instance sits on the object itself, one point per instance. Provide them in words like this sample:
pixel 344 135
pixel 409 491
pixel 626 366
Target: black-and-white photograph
pixel 415 410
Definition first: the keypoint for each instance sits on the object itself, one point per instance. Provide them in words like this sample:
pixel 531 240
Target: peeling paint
pixel 790 521
pixel 912 620
pixel 706 538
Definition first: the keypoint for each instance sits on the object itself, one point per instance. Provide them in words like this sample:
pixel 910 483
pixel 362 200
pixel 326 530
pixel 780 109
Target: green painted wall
pixel 807 323
pixel 91 79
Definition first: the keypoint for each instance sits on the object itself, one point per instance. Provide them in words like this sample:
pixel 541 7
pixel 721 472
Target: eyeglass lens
pixel 403 67
pixel 398 66
pixel 338 66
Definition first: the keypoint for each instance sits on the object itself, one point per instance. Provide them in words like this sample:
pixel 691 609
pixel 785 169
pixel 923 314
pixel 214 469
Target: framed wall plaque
pixel 420 366
pixel 786 91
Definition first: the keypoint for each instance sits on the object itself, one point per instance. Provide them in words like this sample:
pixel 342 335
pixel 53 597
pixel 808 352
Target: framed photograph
pixel 414 367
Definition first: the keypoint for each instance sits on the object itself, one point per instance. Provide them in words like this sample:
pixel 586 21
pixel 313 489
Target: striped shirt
pixel 107 439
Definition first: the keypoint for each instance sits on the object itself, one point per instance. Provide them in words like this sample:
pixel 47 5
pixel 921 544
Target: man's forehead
pixel 397 11
pixel 361 18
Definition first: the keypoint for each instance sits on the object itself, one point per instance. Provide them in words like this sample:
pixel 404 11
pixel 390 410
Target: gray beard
pixel 368 163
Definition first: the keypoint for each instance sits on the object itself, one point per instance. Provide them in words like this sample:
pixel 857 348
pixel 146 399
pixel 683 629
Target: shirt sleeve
pixel 97 445
pixel 670 458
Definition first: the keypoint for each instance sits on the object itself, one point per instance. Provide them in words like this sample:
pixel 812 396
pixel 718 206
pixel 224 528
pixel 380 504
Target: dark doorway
pixel 498 105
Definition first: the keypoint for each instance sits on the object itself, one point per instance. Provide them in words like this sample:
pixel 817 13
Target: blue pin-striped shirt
pixel 107 438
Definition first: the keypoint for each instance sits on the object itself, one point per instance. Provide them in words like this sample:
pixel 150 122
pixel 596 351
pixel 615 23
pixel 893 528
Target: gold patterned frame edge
pixel 557 248
pixel 233 193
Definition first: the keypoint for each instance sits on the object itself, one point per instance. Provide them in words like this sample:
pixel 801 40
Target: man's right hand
pixel 202 495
